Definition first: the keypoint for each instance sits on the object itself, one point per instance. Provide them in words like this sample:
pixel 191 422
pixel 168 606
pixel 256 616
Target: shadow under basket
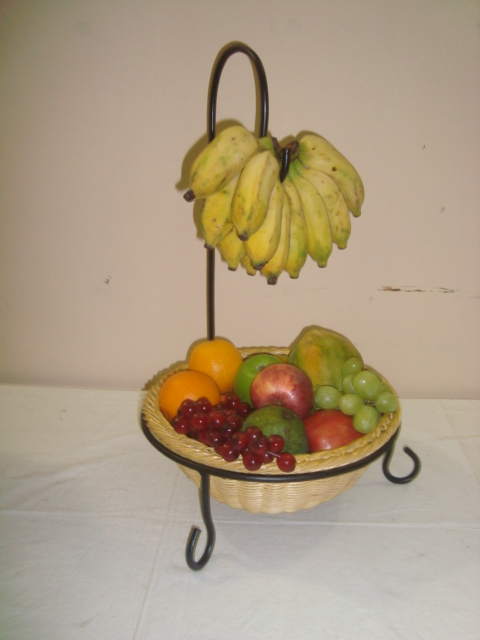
pixel 269 496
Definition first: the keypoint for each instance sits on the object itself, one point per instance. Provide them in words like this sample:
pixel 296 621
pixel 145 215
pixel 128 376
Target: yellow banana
pixel 232 249
pixel 319 234
pixel 262 244
pixel 334 202
pixel 216 218
pixel 220 161
pixel 298 252
pixel 277 262
pixel 317 153
pixel 248 266
pixel 252 195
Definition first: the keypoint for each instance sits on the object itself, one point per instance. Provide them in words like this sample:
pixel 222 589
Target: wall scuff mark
pixel 416 290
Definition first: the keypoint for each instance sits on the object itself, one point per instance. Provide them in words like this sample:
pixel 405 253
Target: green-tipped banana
pixel 319 234
pixel 216 218
pixel 248 266
pixel 317 153
pixel 252 195
pixel 277 262
pixel 334 201
pixel 220 161
pixel 232 249
pixel 262 244
pixel 298 250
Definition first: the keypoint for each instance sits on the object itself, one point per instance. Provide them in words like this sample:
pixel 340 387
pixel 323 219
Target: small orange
pixel 219 359
pixel 185 385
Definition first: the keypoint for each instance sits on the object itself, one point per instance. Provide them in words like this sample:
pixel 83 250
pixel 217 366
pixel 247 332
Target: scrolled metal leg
pixel 196 565
pixel 408 478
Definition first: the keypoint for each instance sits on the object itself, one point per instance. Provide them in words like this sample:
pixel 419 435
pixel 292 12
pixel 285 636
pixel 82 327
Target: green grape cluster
pixel 364 396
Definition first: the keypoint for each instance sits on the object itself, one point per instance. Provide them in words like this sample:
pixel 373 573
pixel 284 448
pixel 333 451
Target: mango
pixel 321 353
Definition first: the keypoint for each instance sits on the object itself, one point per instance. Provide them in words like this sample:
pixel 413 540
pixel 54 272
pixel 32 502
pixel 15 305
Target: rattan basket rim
pixel 191 449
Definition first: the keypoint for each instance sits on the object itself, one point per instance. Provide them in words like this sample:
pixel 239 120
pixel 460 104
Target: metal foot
pixel 196 565
pixel 408 478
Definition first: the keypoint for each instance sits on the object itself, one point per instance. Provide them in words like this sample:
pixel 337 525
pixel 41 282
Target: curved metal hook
pixel 225 53
pixel 408 478
pixel 286 158
pixel 196 565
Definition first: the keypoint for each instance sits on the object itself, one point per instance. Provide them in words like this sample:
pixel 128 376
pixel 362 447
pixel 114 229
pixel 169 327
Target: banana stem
pixel 294 148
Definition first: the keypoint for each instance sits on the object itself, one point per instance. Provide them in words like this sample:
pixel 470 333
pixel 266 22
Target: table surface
pixel 95 521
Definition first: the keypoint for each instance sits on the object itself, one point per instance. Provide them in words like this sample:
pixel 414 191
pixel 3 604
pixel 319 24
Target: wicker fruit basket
pixel 268 497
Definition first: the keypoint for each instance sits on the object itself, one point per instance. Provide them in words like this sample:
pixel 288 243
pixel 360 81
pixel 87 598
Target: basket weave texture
pixel 267 497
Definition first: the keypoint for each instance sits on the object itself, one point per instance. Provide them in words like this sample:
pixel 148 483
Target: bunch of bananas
pixel 265 224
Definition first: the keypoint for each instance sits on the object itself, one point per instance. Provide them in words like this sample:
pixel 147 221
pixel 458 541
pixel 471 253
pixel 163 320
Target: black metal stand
pixel 207 471
pixel 261 78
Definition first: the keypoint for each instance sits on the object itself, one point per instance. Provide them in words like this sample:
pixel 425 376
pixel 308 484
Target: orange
pixel 184 385
pixel 219 359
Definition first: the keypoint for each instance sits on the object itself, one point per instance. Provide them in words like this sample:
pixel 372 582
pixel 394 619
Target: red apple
pixel 329 429
pixel 283 384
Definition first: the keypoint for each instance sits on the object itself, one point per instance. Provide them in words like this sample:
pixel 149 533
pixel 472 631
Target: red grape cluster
pixel 219 426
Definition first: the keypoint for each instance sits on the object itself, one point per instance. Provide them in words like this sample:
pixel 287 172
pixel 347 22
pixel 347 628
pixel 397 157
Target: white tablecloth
pixel 94 522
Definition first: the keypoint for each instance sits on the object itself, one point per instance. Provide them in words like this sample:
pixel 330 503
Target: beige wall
pixel 102 277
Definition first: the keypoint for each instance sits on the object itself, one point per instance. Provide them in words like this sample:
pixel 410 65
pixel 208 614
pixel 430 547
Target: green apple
pixel 248 370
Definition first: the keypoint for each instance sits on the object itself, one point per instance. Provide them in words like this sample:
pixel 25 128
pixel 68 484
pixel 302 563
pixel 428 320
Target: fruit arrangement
pixel 267 408
pixel 266 221
pixel 313 410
